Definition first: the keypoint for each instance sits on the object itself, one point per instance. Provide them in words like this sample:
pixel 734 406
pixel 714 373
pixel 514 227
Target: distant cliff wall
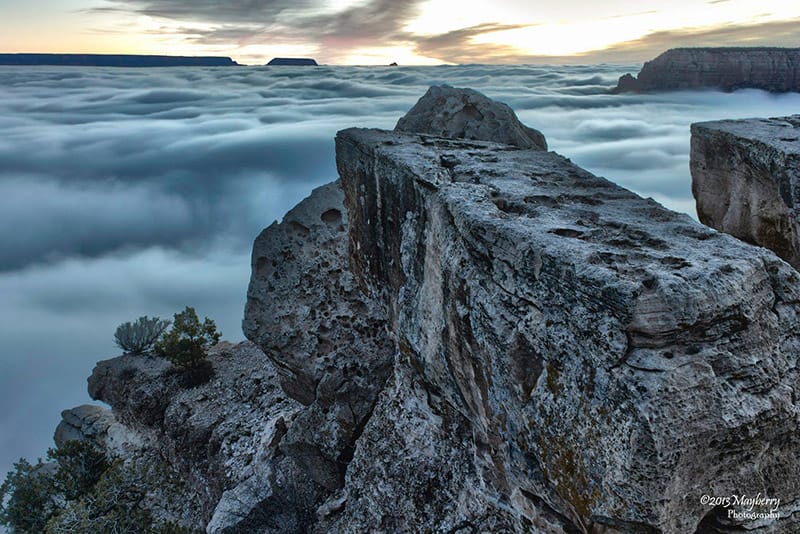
pixel 293 62
pixel 728 69
pixel 115 60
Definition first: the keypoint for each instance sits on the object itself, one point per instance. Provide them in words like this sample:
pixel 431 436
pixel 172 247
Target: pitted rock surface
pixel 746 180
pixel 327 337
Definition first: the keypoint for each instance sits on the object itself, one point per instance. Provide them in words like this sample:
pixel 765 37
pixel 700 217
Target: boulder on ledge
pixel 446 111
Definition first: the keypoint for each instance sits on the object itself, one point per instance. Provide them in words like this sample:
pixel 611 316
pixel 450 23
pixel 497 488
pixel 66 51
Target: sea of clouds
pixel 126 192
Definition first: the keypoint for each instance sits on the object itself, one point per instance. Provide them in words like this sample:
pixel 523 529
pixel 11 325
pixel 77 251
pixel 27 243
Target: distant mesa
pixel 115 60
pixel 772 69
pixel 293 62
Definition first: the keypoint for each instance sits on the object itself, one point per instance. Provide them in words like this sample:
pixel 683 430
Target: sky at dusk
pixel 406 31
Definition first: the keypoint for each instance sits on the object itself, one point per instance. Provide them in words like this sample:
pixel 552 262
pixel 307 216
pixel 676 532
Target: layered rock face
pixel 728 69
pixel 746 180
pixel 469 336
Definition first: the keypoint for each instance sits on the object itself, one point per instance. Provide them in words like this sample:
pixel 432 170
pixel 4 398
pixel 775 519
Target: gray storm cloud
pixel 132 192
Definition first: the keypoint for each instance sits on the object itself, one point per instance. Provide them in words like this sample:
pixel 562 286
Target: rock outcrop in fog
pixel 727 69
pixel 461 335
pixel 746 180
pixel 466 114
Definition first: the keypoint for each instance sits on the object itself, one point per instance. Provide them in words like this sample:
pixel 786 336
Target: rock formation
pixel 293 62
pixel 469 336
pixel 115 60
pixel 466 114
pixel 727 69
pixel 746 180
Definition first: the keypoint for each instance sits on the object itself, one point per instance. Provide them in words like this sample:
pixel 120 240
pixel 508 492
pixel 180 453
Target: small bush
pixel 28 497
pixel 80 491
pixel 187 344
pixel 80 466
pixel 141 335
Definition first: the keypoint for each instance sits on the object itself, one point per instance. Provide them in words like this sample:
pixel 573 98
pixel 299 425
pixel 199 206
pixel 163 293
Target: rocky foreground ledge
pixel 746 180
pixel 467 336
pixel 727 69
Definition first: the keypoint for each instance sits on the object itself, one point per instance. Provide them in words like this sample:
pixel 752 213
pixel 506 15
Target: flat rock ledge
pixel 746 181
pixel 727 69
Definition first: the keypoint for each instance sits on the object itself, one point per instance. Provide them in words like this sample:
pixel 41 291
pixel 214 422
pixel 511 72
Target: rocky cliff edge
pixel 467 336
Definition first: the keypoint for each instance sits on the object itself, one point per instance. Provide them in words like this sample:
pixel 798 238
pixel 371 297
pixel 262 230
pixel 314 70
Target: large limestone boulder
pixel 746 181
pixel 97 425
pixel 446 111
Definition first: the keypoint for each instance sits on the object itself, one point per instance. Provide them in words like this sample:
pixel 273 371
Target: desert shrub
pixel 115 504
pixel 32 494
pixel 139 336
pixel 28 497
pixel 80 466
pixel 187 344
pixel 80 492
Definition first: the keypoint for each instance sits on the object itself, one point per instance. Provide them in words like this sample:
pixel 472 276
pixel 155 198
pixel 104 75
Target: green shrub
pixel 80 466
pixel 81 492
pixel 28 497
pixel 140 336
pixel 32 494
pixel 187 344
pixel 114 505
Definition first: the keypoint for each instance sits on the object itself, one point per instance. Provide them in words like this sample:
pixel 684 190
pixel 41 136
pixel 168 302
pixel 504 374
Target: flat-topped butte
pixel 726 69
pixel 114 60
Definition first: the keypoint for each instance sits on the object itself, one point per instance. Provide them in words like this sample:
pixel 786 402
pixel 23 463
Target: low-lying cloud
pixel 132 192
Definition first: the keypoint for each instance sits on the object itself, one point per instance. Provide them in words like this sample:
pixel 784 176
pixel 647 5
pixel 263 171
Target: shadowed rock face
pixel 327 338
pixel 728 69
pixel 446 111
pixel 220 438
pixel 480 337
pixel 746 181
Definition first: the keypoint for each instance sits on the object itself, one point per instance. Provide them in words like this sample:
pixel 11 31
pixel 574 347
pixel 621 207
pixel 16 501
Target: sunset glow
pixel 408 32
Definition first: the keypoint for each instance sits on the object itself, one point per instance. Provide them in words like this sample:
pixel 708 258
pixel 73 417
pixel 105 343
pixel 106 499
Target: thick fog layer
pixel 132 192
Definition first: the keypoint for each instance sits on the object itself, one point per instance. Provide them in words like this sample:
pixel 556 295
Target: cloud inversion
pixel 133 192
